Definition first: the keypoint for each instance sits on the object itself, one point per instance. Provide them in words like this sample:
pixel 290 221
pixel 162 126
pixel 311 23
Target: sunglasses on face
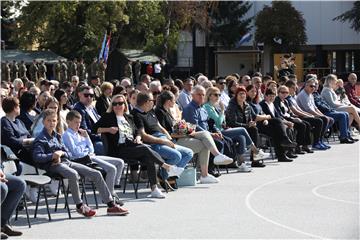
pixel 216 94
pixel 222 83
pixel 312 86
pixel 88 95
pixel 118 104
pixel 284 92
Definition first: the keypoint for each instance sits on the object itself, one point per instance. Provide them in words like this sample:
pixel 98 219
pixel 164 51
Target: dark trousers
pixel 302 131
pixel 277 131
pixel 11 193
pixel 316 127
pixel 143 154
pixel 254 134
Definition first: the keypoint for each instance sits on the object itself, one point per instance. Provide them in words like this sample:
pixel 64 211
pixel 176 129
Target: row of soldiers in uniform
pixel 10 71
pixel 62 70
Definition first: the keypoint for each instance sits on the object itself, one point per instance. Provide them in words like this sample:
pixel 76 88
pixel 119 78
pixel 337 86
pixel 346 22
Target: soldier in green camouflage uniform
pixel 73 69
pixel 42 70
pixel 81 70
pixel 63 72
pixel 22 69
pixel 14 70
pixel 102 69
pixel 57 69
pixel 93 69
pixel 34 71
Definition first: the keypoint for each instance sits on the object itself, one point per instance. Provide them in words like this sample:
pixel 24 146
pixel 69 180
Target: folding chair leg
pixel 46 201
pixel 66 198
pixel 37 202
pixel 57 196
pixel 27 212
pixel 94 191
pixel 126 177
pixel 137 185
pixel 83 191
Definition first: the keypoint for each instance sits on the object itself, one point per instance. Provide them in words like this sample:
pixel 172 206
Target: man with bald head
pixel 351 91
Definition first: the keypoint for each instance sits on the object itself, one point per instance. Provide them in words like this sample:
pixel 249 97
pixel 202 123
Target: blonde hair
pixel 329 79
pixel 110 108
pixel 105 86
pixel 209 91
pixel 282 87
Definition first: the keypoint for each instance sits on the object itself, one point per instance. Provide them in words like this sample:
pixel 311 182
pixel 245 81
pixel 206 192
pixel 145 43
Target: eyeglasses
pixel 201 94
pixel 222 83
pixel 114 104
pixel 284 92
pixel 88 95
pixel 312 86
pixel 216 94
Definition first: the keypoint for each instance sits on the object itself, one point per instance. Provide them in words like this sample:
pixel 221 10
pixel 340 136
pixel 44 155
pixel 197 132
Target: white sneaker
pixel 261 155
pixel 53 186
pixel 222 159
pixel 244 168
pixel 208 179
pixel 175 171
pixel 156 193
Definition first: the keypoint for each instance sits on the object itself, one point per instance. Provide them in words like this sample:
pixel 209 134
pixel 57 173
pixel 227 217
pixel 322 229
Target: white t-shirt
pixel 125 131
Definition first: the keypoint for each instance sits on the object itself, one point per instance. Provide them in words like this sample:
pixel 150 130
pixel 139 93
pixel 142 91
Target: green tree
pixel 227 24
pixel 69 28
pixel 352 16
pixel 280 26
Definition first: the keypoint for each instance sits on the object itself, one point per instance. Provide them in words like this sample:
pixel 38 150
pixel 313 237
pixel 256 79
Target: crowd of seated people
pixel 60 128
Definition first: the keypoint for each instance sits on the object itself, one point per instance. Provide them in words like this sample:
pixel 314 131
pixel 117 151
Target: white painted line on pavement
pixel 315 189
pixel 249 195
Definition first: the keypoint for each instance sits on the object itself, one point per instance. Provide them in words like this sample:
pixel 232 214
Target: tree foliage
pixel 69 28
pixel 280 26
pixel 352 16
pixel 227 25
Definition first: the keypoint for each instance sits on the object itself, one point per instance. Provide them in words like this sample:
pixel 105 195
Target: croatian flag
pixel 246 38
pixel 106 52
pixel 102 47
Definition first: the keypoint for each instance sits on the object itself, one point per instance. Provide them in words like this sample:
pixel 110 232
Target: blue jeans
pixel 11 194
pixel 343 119
pixel 239 135
pixel 99 148
pixel 179 156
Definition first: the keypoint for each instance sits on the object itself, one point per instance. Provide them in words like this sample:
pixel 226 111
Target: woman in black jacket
pixel 124 141
pixel 240 114
pixel 102 104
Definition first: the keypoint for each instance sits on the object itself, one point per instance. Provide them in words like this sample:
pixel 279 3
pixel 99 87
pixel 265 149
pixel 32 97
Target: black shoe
pixel 291 155
pixel 298 150
pixel 118 201
pixel 4 236
pixel 166 186
pixel 288 143
pixel 353 139
pixel 9 231
pixel 285 159
pixel 257 164
pixel 215 174
pixel 117 186
pixel 346 141
pixel 307 149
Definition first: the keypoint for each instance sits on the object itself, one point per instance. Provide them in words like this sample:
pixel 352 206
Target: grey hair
pixel 197 89
pixel 154 84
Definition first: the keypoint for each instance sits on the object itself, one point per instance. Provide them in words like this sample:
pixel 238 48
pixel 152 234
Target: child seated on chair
pixel 52 156
pixel 80 147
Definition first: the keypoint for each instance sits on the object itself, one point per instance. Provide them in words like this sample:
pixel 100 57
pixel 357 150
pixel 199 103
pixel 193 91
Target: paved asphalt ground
pixel 316 196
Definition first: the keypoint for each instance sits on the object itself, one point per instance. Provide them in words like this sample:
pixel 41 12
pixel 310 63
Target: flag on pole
pixel 102 47
pixel 246 38
pixel 106 51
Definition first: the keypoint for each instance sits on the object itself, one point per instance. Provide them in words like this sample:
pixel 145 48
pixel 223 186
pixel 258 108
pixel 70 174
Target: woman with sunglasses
pixel 124 141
